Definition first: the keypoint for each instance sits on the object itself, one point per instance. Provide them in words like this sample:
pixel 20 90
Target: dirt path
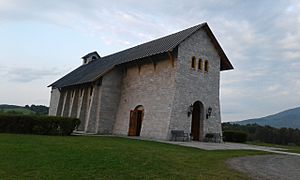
pixel 268 166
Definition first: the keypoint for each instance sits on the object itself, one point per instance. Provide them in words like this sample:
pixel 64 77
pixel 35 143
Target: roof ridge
pixel 159 38
pixel 88 73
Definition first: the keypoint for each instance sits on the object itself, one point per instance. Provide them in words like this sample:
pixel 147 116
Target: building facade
pixel 171 83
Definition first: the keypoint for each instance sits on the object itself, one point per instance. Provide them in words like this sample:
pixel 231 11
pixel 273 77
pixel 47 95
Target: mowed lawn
pixel 288 148
pixel 78 157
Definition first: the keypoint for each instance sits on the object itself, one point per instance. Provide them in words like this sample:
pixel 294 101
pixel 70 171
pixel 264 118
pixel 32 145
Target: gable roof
pixel 95 69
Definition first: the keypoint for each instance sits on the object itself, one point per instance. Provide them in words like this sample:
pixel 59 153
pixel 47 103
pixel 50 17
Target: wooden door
pixel 195 130
pixel 140 114
pixel 132 123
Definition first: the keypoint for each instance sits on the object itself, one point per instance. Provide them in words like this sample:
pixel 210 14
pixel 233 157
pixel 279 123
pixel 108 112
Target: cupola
pixel 90 57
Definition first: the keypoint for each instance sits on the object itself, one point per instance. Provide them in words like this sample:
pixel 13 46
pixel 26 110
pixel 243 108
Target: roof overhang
pixel 152 48
pixel 225 63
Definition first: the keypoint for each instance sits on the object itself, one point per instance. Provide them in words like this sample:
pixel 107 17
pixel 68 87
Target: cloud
pixel 261 38
pixel 26 74
pixel 265 53
pixel 106 19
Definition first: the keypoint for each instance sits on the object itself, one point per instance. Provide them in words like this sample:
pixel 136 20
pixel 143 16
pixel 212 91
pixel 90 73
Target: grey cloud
pixel 25 75
pixel 261 38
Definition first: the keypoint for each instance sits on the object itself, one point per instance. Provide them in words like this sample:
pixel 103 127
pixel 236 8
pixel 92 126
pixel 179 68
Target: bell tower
pixel 90 57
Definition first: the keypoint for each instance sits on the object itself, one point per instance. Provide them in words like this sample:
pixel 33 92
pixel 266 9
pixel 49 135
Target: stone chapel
pixel 171 83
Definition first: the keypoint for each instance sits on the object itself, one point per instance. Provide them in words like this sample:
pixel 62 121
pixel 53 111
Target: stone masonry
pixel 164 85
pixel 197 85
pixel 152 88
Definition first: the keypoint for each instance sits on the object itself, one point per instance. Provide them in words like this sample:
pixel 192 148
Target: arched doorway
pixel 135 121
pixel 197 121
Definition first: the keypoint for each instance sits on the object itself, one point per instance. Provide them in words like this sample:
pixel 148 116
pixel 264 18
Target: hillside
pixel 289 119
pixel 27 110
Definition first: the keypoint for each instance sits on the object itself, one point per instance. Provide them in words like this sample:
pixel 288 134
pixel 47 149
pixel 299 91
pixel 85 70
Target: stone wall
pixel 110 98
pixel 196 85
pixel 153 88
pixel 93 104
pixel 73 102
pixel 82 107
pixel 54 101
pixel 165 90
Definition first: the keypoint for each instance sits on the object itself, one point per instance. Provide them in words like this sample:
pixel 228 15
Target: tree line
pixel 266 134
pixel 38 109
pixel 27 109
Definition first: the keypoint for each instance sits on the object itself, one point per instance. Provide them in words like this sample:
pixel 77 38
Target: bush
pixel 234 136
pixel 47 125
pixel 213 137
pixel 209 135
pixel 266 134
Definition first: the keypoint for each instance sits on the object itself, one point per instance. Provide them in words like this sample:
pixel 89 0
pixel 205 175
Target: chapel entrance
pixel 135 122
pixel 197 121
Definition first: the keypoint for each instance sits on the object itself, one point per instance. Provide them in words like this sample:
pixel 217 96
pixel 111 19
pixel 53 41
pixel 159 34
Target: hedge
pixel 234 136
pixel 46 125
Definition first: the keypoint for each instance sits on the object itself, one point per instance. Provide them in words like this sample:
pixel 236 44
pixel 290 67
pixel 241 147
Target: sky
pixel 40 41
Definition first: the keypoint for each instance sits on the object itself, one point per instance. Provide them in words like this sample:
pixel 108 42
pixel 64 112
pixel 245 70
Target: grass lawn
pixel 294 148
pixel 17 111
pixel 74 157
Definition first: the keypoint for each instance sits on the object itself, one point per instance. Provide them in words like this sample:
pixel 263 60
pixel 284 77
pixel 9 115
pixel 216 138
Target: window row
pixel 200 64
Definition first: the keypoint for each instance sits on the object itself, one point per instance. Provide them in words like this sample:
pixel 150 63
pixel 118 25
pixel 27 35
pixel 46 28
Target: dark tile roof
pixel 95 69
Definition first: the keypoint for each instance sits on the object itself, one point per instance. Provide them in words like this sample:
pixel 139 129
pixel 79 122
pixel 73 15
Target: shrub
pixel 234 136
pixel 28 124
pixel 266 134
pixel 209 135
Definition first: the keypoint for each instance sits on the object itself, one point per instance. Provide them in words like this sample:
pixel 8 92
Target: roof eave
pixel 225 63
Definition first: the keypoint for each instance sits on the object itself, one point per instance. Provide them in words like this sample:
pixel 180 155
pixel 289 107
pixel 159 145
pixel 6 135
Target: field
pixel 57 157
pixel 24 110
pixel 17 111
pixel 289 148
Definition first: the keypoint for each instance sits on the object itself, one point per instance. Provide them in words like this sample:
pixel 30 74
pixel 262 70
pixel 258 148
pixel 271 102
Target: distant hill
pixel 289 119
pixel 7 106
pixel 27 110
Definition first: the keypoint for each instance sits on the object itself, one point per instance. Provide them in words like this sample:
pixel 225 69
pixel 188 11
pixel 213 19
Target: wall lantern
pixel 208 114
pixel 190 110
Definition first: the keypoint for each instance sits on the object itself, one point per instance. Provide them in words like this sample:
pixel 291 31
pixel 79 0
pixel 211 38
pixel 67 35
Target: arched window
pixel 200 64
pixel 206 66
pixel 193 65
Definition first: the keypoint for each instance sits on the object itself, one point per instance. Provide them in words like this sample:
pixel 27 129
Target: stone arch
pixel 197 121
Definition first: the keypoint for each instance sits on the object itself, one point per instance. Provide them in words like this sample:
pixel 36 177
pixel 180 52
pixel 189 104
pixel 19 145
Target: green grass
pixel 18 111
pixel 57 157
pixel 289 148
